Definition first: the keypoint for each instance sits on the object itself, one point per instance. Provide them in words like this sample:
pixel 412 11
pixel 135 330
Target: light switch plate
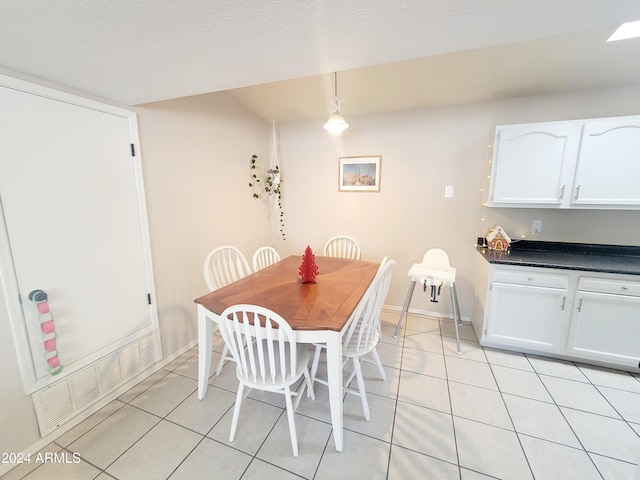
pixel 536 226
pixel 448 191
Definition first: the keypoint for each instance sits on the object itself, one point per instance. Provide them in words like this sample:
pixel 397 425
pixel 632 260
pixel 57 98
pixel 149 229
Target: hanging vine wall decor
pixel 269 184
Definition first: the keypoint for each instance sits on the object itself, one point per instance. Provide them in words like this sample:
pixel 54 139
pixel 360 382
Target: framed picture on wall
pixel 359 174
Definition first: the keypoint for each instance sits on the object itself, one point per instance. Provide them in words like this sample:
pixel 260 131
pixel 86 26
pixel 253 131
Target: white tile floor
pixel 483 414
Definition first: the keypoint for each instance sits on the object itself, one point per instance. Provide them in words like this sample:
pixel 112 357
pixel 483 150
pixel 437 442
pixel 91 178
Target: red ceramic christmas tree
pixel 308 268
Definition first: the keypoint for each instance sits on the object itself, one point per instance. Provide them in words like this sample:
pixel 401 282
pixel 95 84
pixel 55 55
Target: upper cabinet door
pixel 608 170
pixel 533 164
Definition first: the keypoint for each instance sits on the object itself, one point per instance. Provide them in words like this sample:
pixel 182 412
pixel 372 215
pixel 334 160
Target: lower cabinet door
pixel 526 316
pixel 606 327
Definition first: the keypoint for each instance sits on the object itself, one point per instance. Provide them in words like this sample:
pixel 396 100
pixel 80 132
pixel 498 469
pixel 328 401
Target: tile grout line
pixel 565 418
pixel 396 400
pixel 205 436
pixel 446 375
pixel 515 432
pixel 453 423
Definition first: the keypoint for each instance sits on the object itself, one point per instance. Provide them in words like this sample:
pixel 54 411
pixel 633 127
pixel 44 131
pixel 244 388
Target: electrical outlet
pixel 536 226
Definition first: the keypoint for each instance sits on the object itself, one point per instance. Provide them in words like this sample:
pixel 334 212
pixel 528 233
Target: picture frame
pixel 359 174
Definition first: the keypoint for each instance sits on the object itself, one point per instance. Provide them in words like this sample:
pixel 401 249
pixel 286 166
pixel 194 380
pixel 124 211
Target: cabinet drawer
pixel 603 285
pixel 531 278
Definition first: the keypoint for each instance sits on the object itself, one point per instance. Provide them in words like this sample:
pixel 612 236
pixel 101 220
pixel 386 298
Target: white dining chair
pixel 222 266
pixel 267 358
pixel 343 247
pixel 375 359
pixel 263 257
pixel 374 356
pixel 362 336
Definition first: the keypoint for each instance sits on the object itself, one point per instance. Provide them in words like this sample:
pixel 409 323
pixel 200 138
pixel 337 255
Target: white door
pixel 533 164
pixel 526 316
pixel 608 171
pixel 69 193
pixel 606 327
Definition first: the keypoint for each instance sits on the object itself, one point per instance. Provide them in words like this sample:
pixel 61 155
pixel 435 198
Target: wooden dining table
pixel 318 313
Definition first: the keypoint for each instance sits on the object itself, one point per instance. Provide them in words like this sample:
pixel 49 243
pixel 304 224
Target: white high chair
pixel 433 271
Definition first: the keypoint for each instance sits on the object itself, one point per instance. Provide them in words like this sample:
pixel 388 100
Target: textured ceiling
pixel 391 54
pixel 575 62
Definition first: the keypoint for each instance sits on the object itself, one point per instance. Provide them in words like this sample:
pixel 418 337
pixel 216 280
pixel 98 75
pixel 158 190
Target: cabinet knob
pixel 624 288
pixel 530 279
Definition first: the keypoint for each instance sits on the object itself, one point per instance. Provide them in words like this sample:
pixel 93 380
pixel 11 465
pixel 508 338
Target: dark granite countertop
pixel 569 256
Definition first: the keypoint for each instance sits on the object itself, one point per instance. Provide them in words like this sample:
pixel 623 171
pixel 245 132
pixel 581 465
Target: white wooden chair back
pixel 263 257
pixel 436 259
pixel 364 331
pixel 271 358
pixel 268 358
pixel 223 266
pixel 382 262
pixel 343 247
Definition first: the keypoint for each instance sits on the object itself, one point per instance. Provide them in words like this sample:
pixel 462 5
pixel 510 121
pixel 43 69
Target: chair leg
pixel 236 411
pixel 225 352
pixel 363 393
pixel 314 370
pixel 376 358
pixel 292 424
pixel 310 392
pixel 316 361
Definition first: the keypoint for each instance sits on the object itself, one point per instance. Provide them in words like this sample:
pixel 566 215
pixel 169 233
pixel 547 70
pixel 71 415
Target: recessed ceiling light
pixel 626 30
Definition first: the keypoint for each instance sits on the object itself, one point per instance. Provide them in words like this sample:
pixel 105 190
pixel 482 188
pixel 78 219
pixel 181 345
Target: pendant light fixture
pixel 336 122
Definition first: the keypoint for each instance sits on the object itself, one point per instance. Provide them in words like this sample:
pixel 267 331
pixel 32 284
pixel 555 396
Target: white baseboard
pixel 426 313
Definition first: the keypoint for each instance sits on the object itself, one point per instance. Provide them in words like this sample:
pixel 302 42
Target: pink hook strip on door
pixel 48 329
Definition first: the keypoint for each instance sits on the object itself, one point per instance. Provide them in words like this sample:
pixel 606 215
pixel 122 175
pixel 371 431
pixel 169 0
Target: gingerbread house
pixel 497 239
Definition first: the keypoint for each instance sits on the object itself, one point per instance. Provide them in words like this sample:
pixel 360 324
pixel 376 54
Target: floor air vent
pixel 62 400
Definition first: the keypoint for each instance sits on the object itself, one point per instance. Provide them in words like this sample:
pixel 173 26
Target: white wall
pixel 195 157
pixel 422 152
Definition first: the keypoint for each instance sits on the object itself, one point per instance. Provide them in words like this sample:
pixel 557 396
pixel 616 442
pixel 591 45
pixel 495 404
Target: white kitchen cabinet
pixel 593 317
pixel 605 325
pixel 533 164
pixel 608 169
pixel 526 309
pixel 571 164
